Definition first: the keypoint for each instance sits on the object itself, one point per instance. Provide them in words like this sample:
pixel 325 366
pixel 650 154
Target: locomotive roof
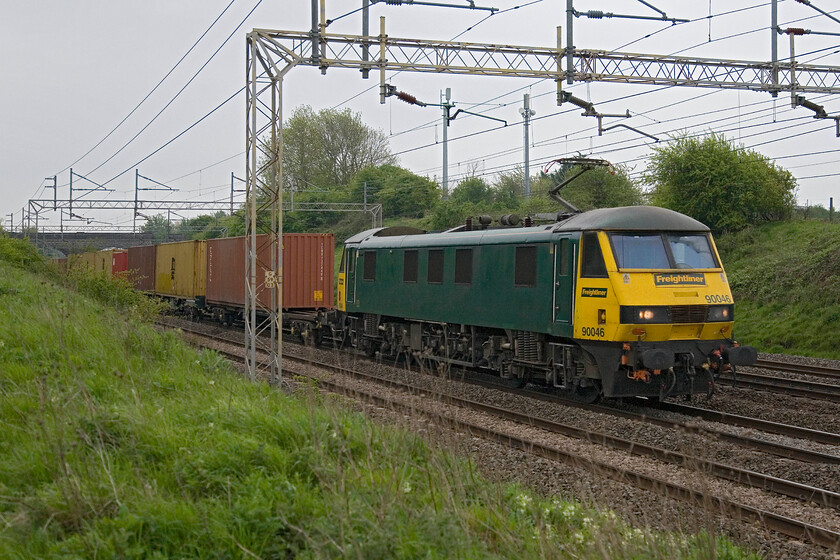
pixel 627 218
pixel 633 218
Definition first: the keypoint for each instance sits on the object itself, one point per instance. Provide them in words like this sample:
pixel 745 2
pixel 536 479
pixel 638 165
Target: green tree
pixel 723 186
pixel 206 226
pixel 508 189
pixel 158 226
pixel 401 192
pixel 474 190
pixel 600 187
pixel 324 149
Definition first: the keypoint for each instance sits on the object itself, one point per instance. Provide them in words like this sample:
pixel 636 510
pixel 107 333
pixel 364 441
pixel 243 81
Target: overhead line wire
pixel 153 89
pixel 194 76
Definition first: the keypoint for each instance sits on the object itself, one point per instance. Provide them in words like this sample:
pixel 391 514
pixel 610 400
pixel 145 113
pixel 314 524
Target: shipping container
pixel 82 261
pixel 308 261
pixel 181 270
pixel 105 262
pixel 140 265
pixel 119 262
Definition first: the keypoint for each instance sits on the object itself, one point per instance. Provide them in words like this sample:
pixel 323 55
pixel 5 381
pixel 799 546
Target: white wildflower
pixel 406 487
pixel 523 501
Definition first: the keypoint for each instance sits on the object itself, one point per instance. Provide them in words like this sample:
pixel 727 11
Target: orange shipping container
pixel 181 269
pixel 308 262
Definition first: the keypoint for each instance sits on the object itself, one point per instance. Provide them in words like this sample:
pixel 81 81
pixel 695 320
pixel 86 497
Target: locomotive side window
pixel 563 264
pixel 410 266
pixel 463 266
pixel 592 258
pixel 525 273
pixel 435 275
pixel 369 272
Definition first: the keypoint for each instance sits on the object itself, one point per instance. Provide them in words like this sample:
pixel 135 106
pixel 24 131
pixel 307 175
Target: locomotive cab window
pixel 463 266
pixel 410 266
pixel 525 273
pixel 369 272
pixel 591 256
pixel 691 251
pixel 657 251
pixel 435 274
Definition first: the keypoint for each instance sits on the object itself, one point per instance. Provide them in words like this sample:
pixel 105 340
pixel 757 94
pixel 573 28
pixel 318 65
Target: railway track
pixel 774 448
pixel 784 525
pixel 788 430
pixel 793 387
pixel 803 369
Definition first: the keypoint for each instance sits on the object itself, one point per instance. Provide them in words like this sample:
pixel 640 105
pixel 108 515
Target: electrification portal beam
pixel 446 57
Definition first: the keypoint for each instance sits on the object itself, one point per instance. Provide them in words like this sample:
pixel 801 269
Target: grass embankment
pixel 122 442
pixel 785 278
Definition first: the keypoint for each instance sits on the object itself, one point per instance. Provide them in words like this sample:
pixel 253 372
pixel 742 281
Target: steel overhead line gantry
pixel 39 206
pixel 271 54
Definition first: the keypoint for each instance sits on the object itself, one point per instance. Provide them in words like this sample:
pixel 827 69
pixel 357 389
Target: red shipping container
pixel 140 265
pixel 119 262
pixel 308 263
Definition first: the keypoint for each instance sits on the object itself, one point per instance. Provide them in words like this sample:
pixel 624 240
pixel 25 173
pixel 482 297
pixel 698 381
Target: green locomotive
pixel 614 302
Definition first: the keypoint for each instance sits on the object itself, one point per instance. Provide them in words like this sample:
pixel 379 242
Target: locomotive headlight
pixel 644 314
pixel 720 313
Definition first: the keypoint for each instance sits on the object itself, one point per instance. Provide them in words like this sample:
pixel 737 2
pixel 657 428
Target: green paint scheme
pixel 491 300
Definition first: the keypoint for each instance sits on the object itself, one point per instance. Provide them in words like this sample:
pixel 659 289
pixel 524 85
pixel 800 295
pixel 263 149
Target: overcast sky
pixel 72 71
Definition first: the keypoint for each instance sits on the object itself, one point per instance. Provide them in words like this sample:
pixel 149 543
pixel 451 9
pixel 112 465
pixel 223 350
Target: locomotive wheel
pixel 587 395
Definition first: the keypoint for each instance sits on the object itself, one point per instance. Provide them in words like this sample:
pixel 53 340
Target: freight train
pixel 614 302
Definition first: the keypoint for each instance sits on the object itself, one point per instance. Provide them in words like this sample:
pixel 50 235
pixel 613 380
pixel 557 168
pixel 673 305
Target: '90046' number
pixel 593 331
pixel 718 299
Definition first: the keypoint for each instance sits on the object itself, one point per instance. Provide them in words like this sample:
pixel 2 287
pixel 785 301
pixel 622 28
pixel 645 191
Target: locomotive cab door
pixel 565 257
pixel 350 276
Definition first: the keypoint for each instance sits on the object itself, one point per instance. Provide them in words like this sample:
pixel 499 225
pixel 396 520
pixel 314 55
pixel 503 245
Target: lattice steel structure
pixel 271 54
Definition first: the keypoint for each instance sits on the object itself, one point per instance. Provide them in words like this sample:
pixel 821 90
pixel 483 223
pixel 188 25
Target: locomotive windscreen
pixel 662 251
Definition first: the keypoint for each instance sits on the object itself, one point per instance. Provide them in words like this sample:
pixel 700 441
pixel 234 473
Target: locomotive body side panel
pixel 505 284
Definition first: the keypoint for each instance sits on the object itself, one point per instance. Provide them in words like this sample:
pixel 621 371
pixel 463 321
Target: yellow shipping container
pixel 181 269
pixel 82 261
pixel 102 262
